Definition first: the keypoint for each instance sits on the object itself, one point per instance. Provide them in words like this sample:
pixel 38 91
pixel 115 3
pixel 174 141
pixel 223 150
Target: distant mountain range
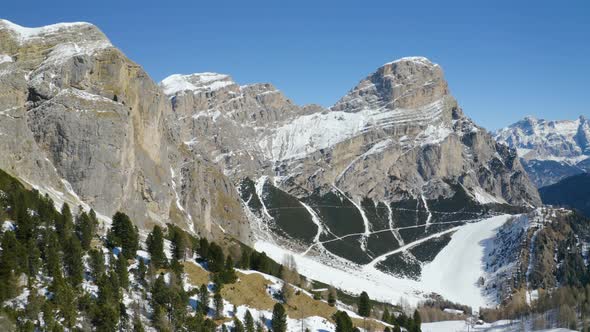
pixel 572 192
pixel 550 150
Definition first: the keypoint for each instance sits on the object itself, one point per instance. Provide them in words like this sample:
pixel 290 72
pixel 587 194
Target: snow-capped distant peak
pixel 197 82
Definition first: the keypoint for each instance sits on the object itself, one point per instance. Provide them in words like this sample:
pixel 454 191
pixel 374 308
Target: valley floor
pixel 499 326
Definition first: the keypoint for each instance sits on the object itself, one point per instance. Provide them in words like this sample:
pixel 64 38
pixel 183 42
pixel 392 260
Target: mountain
pixel 377 185
pixel 550 150
pixel 82 122
pixel 572 192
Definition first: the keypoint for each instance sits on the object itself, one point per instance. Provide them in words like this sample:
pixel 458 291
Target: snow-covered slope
pixel 453 273
pixel 551 150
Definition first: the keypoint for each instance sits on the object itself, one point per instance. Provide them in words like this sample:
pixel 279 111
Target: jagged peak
pixel 26 34
pixel 196 82
pixel 409 82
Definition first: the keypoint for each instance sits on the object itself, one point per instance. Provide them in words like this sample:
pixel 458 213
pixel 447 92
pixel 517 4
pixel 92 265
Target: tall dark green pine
pixel 238 326
pixel 343 322
pixel 155 244
pixel 364 305
pixel 218 302
pixel 122 272
pixel 73 261
pixel 52 253
pixel 85 229
pixel 140 272
pixel 249 321
pixel 64 224
pixel 279 318
pixel 8 266
pixel 203 299
pixel 124 234
pixel 216 258
pixel 97 263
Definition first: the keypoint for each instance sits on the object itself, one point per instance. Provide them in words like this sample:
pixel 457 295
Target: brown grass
pixel 196 274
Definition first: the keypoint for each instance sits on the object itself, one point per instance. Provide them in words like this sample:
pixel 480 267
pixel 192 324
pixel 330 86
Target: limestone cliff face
pixel 80 118
pixel 399 132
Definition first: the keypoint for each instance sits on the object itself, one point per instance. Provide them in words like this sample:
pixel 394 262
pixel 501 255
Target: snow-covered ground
pixel 453 273
pixel 499 326
pixel 456 269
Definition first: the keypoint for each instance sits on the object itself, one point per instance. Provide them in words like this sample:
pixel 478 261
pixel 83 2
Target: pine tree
pixel 238 326
pixel 204 299
pixel 124 234
pixel 364 305
pixel 396 328
pixel 8 266
pixel 218 302
pixel 155 244
pixel 122 272
pixel 64 224
pixel 279 318
pixel 216 259
pixel 85 229
pixel 249 321
pixel 140 272
pixel 343 322
pixel 97 263
pixel 73 261
pixel 52 253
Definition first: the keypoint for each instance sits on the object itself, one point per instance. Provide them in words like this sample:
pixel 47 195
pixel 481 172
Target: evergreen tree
pixel 155 244
pixel 52 253
pixel 396 328
pixel 204 299
pixel 218 302
pixel 85 229
pixel 364 305
pixel 122 272
pixel 64 224
pixel 96 263
pixel 216 259
pixel 249 321
pixel 343 322
pixel 73 261
pixel 279 318
pixel 8 266
pixel 124 234
pixel 140 272
pixel 238 326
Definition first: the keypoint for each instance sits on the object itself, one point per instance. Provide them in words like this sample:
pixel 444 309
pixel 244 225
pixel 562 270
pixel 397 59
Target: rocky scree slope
pixel 550 150
pixel 82 122
pixel 394 161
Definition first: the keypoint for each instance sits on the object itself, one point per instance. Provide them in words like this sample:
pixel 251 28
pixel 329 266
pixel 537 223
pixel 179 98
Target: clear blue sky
pixel 503 60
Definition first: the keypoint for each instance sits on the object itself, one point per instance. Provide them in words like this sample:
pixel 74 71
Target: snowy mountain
pixel 391 179
pixel 550 150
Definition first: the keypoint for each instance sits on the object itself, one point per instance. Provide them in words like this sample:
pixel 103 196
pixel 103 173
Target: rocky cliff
pixel 394 161
pixel 85 124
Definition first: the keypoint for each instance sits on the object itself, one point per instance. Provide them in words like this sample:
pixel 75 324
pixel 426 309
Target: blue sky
pixel 502 60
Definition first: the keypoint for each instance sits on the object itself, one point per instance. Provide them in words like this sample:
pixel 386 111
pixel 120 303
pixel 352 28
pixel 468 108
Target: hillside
pixel 572 192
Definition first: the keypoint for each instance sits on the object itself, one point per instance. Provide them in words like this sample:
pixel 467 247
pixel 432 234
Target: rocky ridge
pixel 550 150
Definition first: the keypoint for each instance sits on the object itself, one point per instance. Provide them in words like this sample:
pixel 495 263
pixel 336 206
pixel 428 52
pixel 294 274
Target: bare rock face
pixel 398 132
pixel 92 126
pixel 394 161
